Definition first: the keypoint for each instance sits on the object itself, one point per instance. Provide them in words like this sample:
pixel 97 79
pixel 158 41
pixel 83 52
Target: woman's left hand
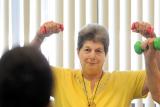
pixel 144 28
pixel 147 31
pixel 150 53
pixel 152 59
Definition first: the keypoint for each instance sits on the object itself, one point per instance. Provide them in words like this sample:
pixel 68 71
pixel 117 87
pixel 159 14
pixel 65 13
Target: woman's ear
pixel 77 51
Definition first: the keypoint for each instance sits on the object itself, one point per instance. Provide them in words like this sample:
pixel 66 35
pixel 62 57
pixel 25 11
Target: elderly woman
pixel 91 86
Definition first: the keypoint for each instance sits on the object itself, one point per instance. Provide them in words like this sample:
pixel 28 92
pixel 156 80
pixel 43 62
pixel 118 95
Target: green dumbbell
pixel 138 49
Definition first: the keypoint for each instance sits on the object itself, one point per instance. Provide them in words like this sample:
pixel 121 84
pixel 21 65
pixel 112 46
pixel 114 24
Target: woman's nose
pixel 92 54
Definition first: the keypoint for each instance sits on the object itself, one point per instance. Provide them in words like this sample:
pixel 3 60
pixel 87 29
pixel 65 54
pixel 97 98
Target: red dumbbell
pixel 149 30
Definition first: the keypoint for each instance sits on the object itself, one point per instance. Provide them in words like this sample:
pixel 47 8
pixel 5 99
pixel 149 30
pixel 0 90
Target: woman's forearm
pixel 47 29
pixel 153 78
pixel 37 41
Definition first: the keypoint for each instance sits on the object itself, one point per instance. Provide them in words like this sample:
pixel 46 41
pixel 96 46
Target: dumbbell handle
pixel 138 45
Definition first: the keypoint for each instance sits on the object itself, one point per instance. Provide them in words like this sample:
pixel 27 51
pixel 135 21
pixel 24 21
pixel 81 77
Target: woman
pixel 91 86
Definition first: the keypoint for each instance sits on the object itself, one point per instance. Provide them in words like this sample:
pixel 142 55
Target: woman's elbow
pixel 156 98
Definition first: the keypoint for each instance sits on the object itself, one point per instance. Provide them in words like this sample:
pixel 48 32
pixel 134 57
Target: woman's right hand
pixel 48 28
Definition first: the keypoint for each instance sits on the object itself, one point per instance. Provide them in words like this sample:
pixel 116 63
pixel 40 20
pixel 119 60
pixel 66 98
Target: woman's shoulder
pixel 65 70
pixel 126 74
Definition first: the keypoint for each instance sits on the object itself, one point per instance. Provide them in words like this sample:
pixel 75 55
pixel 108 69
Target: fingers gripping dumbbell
pixel 138 46
pixel 148 31
pixel 50 27
pixel 143 28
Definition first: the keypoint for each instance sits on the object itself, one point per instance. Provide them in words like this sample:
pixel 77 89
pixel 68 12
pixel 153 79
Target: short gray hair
pixel 93 32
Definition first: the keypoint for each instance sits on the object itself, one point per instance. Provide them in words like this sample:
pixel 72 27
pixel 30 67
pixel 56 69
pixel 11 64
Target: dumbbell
pixel 149 30
pixel 44 30
pixel 138 46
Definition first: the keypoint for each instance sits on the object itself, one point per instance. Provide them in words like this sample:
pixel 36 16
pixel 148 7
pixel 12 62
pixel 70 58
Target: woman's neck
pixel 92 76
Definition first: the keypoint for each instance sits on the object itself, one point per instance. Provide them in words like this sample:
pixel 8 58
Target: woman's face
pixel 92 56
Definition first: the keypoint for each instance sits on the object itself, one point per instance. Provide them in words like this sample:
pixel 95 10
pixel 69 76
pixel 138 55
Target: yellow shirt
pixel 116 89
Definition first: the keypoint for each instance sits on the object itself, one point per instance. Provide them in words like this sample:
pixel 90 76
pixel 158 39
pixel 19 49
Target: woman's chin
pixel 91 68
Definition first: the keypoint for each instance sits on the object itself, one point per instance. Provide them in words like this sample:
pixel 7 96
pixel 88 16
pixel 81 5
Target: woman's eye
pixel 87 50
pixel 99 51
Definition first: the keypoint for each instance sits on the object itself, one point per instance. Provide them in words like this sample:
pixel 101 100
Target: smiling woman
pixel 20 20
pixel 97 87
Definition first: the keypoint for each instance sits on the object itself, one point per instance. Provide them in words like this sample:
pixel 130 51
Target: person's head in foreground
pixel 25 78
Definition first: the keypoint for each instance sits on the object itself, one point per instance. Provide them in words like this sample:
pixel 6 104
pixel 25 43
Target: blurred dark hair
pixel 25 78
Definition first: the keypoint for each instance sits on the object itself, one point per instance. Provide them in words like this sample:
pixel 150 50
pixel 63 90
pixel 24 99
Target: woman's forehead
pixel 91 43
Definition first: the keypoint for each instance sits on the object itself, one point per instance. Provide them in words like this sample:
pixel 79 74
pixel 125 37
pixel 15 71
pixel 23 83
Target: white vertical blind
pixel 26 20
pixel 80 14
pixel 4 25
pixel 58 17
pixel 2 37
pixel 157 16
pixel 103 8
pixel 20 20
pixel 91 11
pixel 125 38
pixel 114 21
pixel 15 22
pixel 35 17
pixel 68 38
pixel 148 11
pixel 103 20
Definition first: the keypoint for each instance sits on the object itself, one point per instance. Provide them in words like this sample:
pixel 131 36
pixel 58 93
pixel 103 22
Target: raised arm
pixel 152 60
pixel 47 29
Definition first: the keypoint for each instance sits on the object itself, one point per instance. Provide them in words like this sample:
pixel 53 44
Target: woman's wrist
pixel 37 41
pixel 39 38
